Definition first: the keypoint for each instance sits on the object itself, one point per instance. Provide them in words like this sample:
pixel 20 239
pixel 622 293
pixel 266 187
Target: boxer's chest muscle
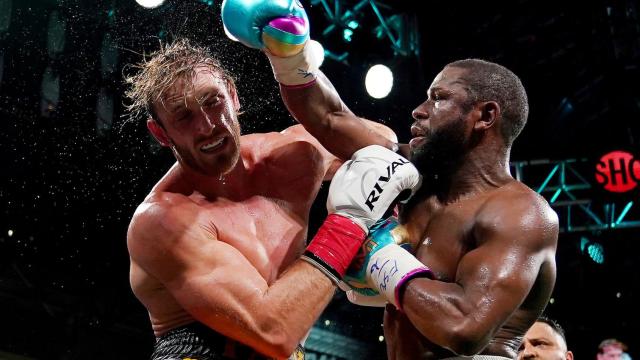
pixel 268 225
pixel 267 231
pixel 442 234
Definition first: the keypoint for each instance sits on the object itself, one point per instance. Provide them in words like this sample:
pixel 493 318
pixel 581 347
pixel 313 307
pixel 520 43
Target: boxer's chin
pixel 441 153
pixel 221 164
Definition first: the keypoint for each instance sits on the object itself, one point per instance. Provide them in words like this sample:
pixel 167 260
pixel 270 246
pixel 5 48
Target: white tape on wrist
pixel 298 70
pixel 390 268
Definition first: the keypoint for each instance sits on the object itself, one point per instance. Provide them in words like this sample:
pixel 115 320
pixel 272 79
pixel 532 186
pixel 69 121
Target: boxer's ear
pixel 158 132
pixel 489 112
pixel 233 93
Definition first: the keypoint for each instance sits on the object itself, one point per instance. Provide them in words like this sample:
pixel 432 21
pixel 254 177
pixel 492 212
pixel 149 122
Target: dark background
pixel 70 183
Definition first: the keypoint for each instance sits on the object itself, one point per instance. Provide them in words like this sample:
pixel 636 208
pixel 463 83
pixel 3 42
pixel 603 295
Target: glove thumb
pixel 364 300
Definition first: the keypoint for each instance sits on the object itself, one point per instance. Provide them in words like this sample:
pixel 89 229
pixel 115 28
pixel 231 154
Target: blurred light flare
pixel 150 4
pixel 379 81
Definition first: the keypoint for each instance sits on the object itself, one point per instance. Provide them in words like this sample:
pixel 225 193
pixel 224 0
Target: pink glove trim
pixel 291 24
pixel 300 86
pixel 421 272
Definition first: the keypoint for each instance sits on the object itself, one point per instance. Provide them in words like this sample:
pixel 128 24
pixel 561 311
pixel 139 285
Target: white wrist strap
pixel 339 283
pixel 300 69
pixel 391 267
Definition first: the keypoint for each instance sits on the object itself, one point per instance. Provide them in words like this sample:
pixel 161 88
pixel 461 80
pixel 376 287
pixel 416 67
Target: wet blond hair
pixel 158 72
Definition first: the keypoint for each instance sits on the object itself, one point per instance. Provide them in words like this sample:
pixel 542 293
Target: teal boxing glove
pixel 383 265
pixel 357 289
pixel 280 26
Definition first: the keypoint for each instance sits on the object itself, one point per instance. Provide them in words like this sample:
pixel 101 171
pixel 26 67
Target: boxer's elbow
pixel 467 340
pixel 279 342
pixel 281 346
pixel 278 349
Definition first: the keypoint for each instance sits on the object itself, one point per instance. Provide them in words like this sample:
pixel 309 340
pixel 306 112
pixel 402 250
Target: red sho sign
pixel 618 171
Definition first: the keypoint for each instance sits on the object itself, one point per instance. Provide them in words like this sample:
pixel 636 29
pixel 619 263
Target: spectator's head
pixel 545 340
pixel 611 349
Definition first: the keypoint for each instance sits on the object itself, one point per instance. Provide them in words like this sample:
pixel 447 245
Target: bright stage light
pixel 379 81
pixel 149 4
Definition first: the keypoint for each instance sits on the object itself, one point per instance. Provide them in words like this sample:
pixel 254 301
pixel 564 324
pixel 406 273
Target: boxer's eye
pixel 211 100
pixel 181 116
pixel 435 96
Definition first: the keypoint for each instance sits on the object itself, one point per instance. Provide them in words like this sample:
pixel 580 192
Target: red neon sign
pixel 618 171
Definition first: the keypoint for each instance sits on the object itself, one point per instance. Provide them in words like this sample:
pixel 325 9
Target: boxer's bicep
pixel 491 282
pixel 210 279
pixel 497 276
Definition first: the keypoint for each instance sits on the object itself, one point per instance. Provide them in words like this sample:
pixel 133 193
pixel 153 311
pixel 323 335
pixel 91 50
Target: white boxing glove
pixel 357 298
pixel 366 186
pixel 383 266
pixel 360 193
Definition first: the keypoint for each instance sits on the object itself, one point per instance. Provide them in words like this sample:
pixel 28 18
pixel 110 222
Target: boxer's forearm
pixel 289 309
pixel 323 114
pixel 443 314
pixel 273 319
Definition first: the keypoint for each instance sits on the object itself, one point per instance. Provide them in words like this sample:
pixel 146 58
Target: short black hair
pixel 489 81
pixel 554 325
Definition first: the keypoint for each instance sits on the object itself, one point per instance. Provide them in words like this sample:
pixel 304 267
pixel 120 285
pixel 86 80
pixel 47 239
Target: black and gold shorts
pixel 198 342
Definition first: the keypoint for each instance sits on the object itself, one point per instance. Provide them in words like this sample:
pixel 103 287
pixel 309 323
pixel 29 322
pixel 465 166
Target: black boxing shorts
pixel 198 342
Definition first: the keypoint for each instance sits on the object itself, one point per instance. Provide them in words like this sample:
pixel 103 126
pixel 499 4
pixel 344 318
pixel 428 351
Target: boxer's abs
pixel 164 311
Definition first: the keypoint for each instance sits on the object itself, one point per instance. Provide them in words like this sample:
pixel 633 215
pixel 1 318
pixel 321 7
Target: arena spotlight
pixel 379 81
pixel 347 34
pixel 150 4
pixel 593 249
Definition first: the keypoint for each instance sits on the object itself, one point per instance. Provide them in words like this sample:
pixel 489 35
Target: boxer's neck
pixel 233 185
pixel 481 170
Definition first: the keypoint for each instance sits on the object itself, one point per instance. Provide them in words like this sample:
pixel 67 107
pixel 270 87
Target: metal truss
pixel 565 186
pixel 400 29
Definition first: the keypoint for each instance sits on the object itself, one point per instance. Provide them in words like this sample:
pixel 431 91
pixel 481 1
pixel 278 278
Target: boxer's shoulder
pixel 512 197
pixel 163 213
pixel 292 147
pixel 517 209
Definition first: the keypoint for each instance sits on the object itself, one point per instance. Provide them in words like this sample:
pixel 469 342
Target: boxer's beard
pixel 440 156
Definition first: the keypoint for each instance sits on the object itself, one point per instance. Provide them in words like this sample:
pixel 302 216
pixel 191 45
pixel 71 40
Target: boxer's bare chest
pixel 442 233
pixel 269 232
pixel 267 224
